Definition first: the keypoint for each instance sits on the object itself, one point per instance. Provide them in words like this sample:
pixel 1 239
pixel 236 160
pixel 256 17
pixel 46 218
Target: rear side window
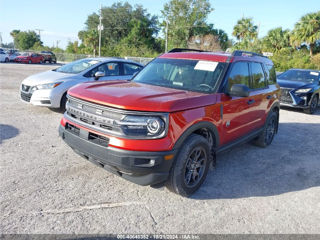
pixel 239 74
pixel 258 79
pixel 130 69
pixel 271 74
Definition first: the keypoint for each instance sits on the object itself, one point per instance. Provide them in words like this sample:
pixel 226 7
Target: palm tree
pixel 90 39
pixel 277 39
pixel 245 29
pixel 307 31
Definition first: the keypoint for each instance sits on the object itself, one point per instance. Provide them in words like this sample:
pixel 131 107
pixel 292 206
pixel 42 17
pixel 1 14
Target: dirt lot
pixel 46 188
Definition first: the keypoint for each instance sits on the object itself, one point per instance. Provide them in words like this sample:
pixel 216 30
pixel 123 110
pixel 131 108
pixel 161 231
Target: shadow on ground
pixel 317 112
pixel 7 132
pixel 291 163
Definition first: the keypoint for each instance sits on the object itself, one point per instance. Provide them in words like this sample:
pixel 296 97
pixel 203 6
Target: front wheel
pixel 6 60
pixel 29 61
pixel 191 166
pixel 313 105
pixel 270 129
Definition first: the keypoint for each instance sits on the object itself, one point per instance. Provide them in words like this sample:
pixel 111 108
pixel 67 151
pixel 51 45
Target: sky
pixel 60 20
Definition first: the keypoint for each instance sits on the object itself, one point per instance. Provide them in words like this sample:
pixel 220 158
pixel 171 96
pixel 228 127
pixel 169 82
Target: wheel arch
pixel 199 129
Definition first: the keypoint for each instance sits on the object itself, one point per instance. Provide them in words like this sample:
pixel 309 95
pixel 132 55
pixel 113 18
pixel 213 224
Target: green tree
pixel 245 30
pixel 184 18
pixel 25 39
pixel 307 31
pixel 90 39
pixel 276 39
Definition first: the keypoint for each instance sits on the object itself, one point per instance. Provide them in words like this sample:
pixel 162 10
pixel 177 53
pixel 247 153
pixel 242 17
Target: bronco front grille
pixel 95 116
pixel 285 95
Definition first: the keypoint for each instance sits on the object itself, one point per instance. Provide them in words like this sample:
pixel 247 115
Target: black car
pixel 300 88
pixel 49 56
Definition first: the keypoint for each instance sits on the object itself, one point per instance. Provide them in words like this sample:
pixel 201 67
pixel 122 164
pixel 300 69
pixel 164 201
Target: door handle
pixel 251 101
pixel 269 97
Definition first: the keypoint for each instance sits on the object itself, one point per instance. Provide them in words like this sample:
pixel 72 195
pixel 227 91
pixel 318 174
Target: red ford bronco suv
pixel 167 124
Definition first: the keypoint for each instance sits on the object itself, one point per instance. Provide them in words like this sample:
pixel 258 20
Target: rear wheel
pixel 191 166
pixel 266 136
pixel 6 60
pixel 313 105
pixel 29 61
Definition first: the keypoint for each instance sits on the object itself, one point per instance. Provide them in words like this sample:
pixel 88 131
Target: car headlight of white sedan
pixel 45 86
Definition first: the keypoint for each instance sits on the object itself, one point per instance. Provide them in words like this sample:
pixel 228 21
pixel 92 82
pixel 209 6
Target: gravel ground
pixel 46 188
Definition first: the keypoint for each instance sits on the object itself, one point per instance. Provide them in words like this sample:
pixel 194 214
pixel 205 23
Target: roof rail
pixel 246 53
pixel 184 50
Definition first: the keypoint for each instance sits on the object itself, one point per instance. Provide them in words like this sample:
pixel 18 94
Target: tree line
pixel 132 31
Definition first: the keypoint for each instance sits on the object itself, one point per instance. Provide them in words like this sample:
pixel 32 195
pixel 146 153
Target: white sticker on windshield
pixel 206 66
pixel 314 73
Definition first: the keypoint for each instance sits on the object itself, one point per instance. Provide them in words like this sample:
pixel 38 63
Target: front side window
pixel 258 80
pixel 239 74
pixel 190 75
pixel 77 66
pixel 109 69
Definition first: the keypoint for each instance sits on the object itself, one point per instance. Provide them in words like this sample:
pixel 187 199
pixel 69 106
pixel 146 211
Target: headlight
pixel 45 86
pixel 143 126
pixel 303 90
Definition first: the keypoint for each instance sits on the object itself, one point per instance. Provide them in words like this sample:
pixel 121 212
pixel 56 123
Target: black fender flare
pixel 195 127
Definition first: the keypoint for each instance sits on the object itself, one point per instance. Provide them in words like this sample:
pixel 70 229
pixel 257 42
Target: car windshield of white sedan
pixel 190 75
pixel 25 54
pixel 300 75
pixel 77 66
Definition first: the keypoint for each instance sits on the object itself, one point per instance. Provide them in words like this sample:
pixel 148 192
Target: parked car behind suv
pixel 50 88
pixel 4 57
pixel 29 58
pixel 49 57
pixel 300 88
pixel 167 125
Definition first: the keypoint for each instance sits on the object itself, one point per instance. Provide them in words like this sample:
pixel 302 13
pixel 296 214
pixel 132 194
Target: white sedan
pixel 50 88
pixel 4 57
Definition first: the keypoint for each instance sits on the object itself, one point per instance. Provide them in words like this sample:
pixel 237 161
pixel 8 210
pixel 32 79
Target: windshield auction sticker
pixel 206 66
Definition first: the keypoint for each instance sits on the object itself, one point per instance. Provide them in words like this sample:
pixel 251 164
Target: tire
pixel 190 167
pixel 270 129
pixel 63 102
pixel 6 60
pixel 40 62
pixel 313 105
pixel 29 61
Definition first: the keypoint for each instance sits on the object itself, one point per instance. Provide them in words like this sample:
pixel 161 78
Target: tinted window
pixel 130 69
pixel 300 75
pixel 239 74
pixel 271 74
pixel 258 80
pixel 109 69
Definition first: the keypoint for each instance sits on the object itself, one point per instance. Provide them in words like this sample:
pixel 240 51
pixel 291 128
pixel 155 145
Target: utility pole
pixel 58 43
pixel 39 31
pixel 100 28
pixel 0 39
pixel 166 50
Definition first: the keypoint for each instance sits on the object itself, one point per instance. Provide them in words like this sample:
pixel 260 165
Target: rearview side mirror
pixel 239 90
pixel 98 75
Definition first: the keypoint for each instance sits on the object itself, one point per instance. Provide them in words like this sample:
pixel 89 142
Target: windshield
pixel 191 75
pixel 25 54
pixel 300 75
pixel 77 66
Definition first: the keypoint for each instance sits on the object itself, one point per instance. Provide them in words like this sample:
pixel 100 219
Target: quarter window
pixel 239 74
pixel 258 79
pixel 271 72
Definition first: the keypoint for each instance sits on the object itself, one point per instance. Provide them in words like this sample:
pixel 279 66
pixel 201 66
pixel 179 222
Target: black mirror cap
pixel 239 90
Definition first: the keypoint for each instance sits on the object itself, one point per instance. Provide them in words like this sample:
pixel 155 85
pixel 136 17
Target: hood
pixel 140 97
pixel 46 77
pixel 294 84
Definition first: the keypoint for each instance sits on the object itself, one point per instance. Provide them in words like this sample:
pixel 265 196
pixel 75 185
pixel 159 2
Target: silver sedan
pixel 49 88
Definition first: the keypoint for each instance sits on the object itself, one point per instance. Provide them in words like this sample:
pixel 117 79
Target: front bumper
pixel 290 99
pixel 41 98
pixel 143 168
